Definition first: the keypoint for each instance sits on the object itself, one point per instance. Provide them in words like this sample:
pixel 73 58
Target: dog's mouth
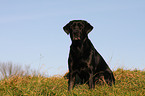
pixel 76 36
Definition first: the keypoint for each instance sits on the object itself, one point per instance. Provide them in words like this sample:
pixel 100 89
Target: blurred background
pixel 31 32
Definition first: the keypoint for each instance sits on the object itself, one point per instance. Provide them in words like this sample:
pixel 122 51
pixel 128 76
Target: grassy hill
pixel 128 83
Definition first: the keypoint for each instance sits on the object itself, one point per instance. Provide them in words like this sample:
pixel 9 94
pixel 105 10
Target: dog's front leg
pixel 71 81
pixel 91 81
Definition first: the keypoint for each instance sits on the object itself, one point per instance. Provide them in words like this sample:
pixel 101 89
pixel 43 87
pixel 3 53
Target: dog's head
pixel 78 29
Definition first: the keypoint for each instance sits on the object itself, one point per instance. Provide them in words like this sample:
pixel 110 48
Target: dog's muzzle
pixel 76 35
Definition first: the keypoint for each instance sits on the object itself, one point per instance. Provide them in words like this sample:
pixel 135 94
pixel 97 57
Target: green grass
pixel 128 83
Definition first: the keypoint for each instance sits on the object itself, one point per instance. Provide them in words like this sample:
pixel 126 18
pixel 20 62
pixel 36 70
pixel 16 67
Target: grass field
pixel 128 83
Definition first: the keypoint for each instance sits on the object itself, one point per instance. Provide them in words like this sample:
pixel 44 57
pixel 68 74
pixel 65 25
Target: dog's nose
pixel 76 27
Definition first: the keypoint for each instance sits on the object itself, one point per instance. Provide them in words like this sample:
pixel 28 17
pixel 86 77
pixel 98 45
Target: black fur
pixel 84 61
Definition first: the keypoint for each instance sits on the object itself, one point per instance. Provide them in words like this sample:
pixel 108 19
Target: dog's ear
pixel 66 28
pixel 88 27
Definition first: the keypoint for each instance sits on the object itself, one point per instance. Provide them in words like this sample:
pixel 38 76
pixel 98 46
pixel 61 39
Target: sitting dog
pixel 84 61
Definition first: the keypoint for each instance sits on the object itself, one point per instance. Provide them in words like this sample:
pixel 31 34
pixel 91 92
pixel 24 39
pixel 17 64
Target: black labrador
pixel 84 61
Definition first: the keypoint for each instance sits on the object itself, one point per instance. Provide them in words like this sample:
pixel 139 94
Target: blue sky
pixel 31 32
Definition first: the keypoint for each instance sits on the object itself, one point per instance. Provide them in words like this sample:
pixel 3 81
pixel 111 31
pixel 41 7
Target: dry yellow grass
pixel 128 83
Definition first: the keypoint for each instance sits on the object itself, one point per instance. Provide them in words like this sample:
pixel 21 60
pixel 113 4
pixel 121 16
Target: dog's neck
pixel 79 44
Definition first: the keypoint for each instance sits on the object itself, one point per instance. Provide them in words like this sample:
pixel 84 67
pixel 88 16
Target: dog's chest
pixel 81 58
pixel 80 53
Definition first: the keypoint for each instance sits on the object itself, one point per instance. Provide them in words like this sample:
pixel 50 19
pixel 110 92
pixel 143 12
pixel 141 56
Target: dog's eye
pixel 72 26
pixel 80 25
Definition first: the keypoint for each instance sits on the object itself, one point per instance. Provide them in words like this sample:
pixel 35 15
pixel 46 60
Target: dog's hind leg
pixel 109 78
